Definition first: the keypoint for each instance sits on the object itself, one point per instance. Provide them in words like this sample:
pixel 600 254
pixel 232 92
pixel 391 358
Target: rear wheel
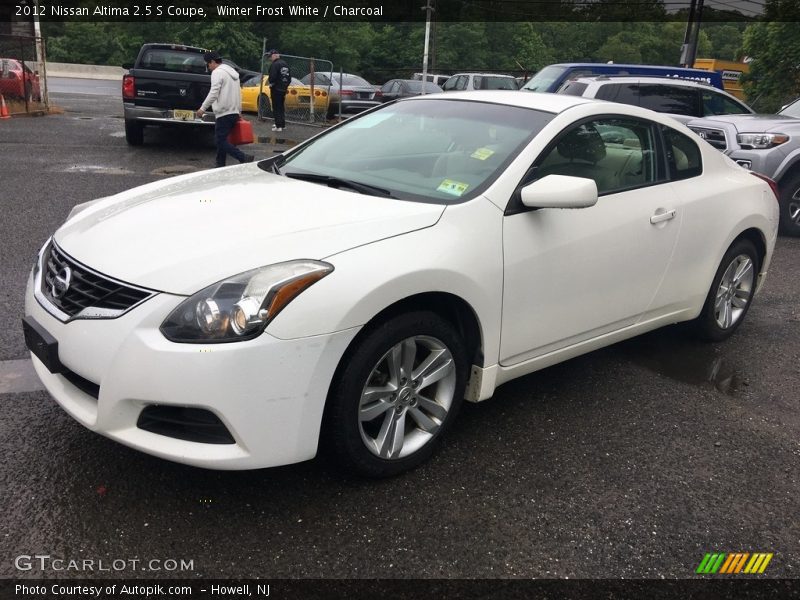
pixel 731 292
pixel 134 133
pixel 790 206
pixel 264 107
pixel 396 394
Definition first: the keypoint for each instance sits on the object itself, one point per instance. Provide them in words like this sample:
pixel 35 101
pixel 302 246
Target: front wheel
pixel 731 292
pixel 396 394
pixel 790 206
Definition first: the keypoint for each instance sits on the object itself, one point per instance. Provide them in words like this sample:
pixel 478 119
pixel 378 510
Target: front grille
pixel 78 291
pixel 715 137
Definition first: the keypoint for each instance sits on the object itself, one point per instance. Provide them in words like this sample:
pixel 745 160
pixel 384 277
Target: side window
pixel 477 82
pixel 625 93
pixel 683 155
pixel 573 88
pixel 461 82
pixel 717 104
pixel 617 153
pixel 675 99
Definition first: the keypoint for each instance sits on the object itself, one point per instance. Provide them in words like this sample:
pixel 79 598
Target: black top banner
pixel 396 10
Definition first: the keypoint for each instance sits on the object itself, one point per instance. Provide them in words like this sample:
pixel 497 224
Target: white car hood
pixel 188 232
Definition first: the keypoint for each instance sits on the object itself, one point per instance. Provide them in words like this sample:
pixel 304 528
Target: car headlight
pixel 239 308
pixel 761 141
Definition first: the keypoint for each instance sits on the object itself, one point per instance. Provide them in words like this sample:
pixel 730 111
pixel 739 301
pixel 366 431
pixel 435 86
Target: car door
pixel 571 275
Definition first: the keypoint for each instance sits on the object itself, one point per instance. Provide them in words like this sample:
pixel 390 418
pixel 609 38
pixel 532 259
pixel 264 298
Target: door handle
pixel 662 216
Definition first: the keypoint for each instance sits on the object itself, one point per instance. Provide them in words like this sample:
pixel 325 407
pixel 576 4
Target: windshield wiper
pixel 273 164
pixel 336 182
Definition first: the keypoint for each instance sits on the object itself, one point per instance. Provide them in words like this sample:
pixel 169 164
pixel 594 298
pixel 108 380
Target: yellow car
pixel 256 98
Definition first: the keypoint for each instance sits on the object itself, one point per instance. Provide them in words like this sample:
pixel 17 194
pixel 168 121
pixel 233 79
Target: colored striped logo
pixel 714 563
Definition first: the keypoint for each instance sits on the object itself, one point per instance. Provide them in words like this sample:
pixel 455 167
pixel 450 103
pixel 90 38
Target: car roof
pixel 643 79
pixel 553 103
pixel 485 75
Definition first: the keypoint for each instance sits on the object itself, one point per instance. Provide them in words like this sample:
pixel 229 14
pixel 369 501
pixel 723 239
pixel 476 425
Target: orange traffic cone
pixel 3 108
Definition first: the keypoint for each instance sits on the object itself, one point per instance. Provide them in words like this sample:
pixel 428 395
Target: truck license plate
pixel 183 115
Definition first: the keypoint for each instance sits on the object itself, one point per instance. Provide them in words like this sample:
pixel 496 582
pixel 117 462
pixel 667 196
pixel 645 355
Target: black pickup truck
pixel 165 86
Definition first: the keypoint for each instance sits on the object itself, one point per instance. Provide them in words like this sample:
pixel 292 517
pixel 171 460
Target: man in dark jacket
pixel 279 80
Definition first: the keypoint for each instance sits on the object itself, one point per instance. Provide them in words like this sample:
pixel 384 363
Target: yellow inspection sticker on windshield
pixel 456 188
pixel 482 153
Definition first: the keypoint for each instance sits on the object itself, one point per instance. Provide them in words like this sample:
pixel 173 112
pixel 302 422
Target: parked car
pixel 405 88
pixel 18 80
pixel 435 78
pixel 461 82
pixel 257 98
pixel 245 75
pixel 680 98
pixel 767 144
pixel 348 92
pixel 358 287
pixel 552 77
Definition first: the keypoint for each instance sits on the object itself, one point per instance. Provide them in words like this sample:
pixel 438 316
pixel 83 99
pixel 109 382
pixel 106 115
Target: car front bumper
pixel 269 393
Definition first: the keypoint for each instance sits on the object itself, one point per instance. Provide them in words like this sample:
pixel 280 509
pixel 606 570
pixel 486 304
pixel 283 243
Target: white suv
pixel 680 98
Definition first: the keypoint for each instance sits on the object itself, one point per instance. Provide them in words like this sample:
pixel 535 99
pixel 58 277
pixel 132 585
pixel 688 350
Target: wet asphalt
pixel 630 462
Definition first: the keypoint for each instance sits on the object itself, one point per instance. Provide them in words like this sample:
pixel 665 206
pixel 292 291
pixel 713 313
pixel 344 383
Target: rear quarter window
pixel 683 155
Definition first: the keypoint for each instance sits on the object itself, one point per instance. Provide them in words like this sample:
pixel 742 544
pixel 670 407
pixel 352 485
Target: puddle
pixel 672 353
pixel 101 170
pixel 176 169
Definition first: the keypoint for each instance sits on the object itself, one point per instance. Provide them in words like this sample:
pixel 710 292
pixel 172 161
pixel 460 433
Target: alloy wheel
pixel 734 291
pixel 407 397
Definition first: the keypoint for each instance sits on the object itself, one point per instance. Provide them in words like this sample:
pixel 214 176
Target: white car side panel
pixel 564 279
pixel 370 278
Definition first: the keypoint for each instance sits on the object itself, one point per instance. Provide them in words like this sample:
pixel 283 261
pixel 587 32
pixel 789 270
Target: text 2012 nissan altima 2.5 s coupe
pixel 355 290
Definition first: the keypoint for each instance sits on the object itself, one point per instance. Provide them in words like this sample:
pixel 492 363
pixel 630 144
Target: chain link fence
pixel 23 80
pixel 307 100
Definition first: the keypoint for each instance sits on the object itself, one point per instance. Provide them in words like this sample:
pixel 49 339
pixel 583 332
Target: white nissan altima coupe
pixel 351 293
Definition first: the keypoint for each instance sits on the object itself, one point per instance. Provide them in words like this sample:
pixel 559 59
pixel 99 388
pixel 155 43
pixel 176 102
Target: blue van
pixel 552 77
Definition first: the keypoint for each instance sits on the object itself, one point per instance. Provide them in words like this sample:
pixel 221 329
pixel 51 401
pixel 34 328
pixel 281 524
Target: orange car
pixel 256 98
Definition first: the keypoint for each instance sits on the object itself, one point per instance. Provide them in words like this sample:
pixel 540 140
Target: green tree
pixel 774 76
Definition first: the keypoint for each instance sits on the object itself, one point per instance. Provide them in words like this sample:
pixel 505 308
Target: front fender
pixel 460 255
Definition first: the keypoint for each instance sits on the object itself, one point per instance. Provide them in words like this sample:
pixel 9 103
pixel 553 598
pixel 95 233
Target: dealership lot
pixel 633 461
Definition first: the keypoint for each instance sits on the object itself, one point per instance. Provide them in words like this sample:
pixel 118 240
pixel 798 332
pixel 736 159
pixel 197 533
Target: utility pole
pixel 689 48
pixel 429 10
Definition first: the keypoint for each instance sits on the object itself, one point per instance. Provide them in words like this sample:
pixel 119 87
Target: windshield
pixel 436 150
pixel 793 110
pixel 543 81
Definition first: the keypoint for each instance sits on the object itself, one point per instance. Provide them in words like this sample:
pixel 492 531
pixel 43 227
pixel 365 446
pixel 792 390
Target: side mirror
pixel 127 65
pixel 560 191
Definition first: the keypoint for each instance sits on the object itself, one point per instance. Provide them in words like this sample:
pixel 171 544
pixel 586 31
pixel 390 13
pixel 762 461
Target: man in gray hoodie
pixel 225 98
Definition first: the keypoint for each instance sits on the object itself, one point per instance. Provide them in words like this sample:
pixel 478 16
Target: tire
pixel 264 107
pixel 333 111
pixel 731 293
pixel 134 133
pixel 790 206
pixel 382 419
